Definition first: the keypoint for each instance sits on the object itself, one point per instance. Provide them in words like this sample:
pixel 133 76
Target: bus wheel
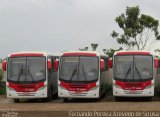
pixel 117 99
pixel 16 100
pixel 65 99
pixel 148 98
pixel 50 94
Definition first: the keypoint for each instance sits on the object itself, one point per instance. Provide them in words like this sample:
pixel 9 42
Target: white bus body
pixel 133 74
pixel 82 75
pixel 30 75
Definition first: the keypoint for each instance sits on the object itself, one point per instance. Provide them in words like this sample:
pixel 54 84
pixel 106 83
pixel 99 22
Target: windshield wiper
pixel 21 70
pixel 138 72
pixel 73 73
pixel 29 71
pixel 84 73
pixel 127 72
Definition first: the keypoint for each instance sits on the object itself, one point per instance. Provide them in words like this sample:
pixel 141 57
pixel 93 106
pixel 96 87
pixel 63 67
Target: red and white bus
pixel 133 74
pixel 82 75
pixel 30 75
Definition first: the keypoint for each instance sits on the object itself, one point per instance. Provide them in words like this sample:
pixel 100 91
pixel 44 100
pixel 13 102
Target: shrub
pixel 1 74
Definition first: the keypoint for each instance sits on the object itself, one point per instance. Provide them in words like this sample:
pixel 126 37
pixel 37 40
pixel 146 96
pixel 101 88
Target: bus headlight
pixel 116 86
pixel 94 88
pixel 148 87
pixel 10 89
pixel 61 87
pixel 42 88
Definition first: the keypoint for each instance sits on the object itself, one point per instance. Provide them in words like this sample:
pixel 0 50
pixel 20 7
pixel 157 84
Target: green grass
pixel 2 83
pixel 2 88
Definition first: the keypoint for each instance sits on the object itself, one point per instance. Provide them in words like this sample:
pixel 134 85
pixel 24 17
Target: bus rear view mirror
pixel 56 64
pixel 101 64
pixel 156 63
pixel 49 64
pixel 110 63
pixel 4 65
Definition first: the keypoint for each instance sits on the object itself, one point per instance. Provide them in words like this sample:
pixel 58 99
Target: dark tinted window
pixel 26 69
pixel 135 67
pixel 79 68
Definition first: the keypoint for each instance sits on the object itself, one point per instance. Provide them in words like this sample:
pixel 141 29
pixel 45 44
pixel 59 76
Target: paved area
pixel 106 103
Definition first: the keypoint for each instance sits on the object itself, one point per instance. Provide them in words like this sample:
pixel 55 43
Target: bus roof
pixel 31 53
pixel 80 53
pixel 132 53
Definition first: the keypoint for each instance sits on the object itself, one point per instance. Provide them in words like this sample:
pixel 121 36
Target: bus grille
pixel 133 85
pixel 26 86
pixel 78 86
pixel 78 94
pixel 28 94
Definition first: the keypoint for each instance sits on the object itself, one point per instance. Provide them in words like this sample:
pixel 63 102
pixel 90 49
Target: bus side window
pixel 105 63
pixel 53 59
pixel 49 57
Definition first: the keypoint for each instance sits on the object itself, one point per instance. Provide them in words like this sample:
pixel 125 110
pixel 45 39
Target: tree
pixel 1 75
pixel 157 50
pixel 111 51
pixel 83 49
pixel 94 46
pixel 139 30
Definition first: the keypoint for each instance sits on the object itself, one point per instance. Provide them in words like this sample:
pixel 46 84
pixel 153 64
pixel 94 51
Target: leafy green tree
pixel 157 50
pixel 111 51
pixel 138 30
pixel 84 49
pixel 94 46
pixel 1 74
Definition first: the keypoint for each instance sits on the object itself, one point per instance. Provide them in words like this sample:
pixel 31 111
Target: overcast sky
pixel 57 25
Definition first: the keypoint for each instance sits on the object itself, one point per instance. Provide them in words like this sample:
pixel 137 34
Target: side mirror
pixel 49 64
pixel 110 63
pixel 56 64
pixel 156 63
pixel 101 64
pixel 4 65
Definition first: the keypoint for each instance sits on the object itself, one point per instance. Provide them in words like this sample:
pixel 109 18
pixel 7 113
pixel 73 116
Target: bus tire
pixel 54 94
pixel 117 99
pixel 49 96
pixel 16 100
pixel 148 98
pixel 97 99
pixel 65 100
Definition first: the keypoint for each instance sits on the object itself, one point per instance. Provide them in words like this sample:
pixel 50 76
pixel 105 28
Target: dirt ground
pixel 59 108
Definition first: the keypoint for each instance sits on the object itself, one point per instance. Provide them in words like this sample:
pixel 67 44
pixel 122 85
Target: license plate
pixel 25 93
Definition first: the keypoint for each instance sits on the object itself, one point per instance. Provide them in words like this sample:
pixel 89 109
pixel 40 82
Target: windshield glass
pixel 131 67
pixel 83 69
pixel 123 67
pixel 26 69
pixel 143 67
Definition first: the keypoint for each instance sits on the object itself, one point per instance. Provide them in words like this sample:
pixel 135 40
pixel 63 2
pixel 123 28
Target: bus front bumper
pixel 27 95
pixel 63 93
pixel 133 93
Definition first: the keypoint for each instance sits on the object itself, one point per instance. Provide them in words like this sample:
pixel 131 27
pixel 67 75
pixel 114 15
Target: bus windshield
pixel 26 69
pixel 133 68
pixel 83 69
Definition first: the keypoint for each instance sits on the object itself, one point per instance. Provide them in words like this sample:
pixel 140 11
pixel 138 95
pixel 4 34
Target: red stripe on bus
pixel 79 54
pixel 133 53
pixel 26 87
pixel 133 85
pixel 78 87
pixel 25 54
